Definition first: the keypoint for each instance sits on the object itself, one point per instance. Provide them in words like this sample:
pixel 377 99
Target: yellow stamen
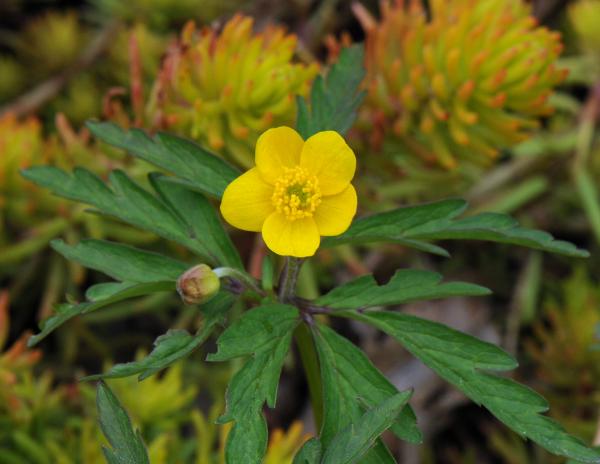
pixel 296 194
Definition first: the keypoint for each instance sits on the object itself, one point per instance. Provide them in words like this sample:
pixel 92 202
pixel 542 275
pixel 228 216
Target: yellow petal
pixel 334 215
pixel 275 149
pixel 327 156
pixel 247 201
pixel 299 238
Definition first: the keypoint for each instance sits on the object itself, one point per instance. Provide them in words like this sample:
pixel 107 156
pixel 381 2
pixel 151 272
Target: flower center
pixel 296 194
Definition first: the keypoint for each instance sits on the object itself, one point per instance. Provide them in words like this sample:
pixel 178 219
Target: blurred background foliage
pixel 496 101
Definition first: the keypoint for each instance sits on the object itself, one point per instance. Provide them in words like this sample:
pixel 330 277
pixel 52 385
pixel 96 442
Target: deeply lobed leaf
pixel 334 99
pixel 406 285
pixel 463 361
pixel 348 375
pixel 127 445
pixel 175 344
pixel 415 226
pixel 201 169
pixel 122 262
pixel 178 214
pixel 118 292
pixel 265 333
pixel 356 439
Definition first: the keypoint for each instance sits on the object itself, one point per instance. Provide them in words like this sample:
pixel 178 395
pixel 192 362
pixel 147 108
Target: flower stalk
pixel 239 277
pixel 302 335
pixel 289 279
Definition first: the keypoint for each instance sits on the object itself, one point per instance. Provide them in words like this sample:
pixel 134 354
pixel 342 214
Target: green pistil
pixel 297 190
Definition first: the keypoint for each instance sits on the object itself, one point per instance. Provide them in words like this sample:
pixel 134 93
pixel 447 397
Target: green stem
pixel 310 363
pixel 247 280
pixel 289 278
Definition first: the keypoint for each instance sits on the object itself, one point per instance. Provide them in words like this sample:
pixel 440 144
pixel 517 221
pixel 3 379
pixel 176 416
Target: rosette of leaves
pixel 353 401
pixel 456 84
pixel 224 88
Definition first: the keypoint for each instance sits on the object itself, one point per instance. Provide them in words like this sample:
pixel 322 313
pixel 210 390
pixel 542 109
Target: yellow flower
pixel 298 191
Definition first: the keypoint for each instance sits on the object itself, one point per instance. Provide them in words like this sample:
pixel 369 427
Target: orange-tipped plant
pixel 21 144
pixel 224 89
pixel 460 83
pixel 13 361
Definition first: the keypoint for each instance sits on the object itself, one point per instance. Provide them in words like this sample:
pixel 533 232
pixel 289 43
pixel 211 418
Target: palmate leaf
pixel 177 213
pixel 349 378
pixel 415 226
pixel 175 344
pixel 126 444
pixel 406 285
pixel 464 361
pixel 201 169
pixel 335 98
pixel 265 334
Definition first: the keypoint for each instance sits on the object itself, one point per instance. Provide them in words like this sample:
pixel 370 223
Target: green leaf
pixel 406 285
pixel 127 446
pixel 334 99
pixel 256 331
pixel 348 374
pixel 414 226
pixel 121 262
pixel 265 333
pixel 463 361
pixel 310 453
pixel 205 171
pixel 247 440
pixel 203 222
pixel 356 439
pixel 175 344
pixel 124 290
pixel 127 201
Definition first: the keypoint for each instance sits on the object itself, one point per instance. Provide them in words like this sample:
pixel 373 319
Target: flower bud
pixel 198 284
